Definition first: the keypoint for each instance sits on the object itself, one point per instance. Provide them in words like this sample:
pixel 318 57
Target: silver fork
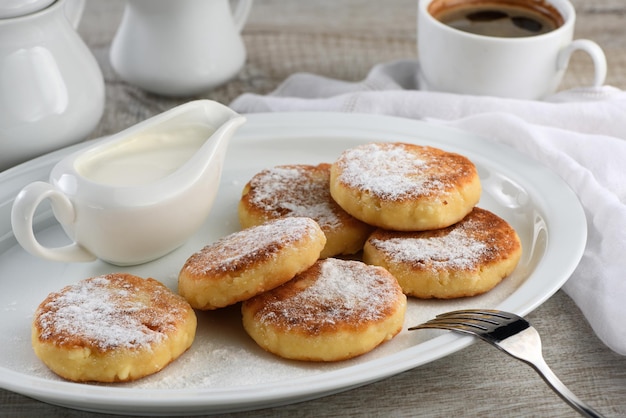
pixel 513 335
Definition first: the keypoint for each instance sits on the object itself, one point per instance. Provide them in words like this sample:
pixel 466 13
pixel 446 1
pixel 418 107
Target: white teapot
pixel 51 88
pixel 179 48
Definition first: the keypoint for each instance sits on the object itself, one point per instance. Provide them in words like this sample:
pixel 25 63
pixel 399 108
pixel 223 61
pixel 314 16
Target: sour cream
pixel 144 158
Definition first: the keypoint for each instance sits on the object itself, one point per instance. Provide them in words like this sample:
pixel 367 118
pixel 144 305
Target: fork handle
pixel 560 389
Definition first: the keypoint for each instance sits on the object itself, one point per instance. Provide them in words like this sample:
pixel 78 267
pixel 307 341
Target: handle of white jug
pixel 23 212
pixel 74 11
pixel 240 15
pixel 593 50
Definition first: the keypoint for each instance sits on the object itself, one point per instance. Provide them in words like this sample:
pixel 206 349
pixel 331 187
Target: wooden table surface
pixel 344 39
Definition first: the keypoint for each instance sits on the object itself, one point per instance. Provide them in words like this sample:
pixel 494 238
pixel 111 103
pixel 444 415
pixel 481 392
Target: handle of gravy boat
pixel 593 50
pixel 23 212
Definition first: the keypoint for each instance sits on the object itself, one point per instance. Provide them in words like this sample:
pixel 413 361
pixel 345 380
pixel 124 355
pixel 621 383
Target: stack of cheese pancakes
pixel 410 209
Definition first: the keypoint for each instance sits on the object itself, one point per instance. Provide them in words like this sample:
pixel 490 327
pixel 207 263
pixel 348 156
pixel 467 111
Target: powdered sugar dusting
pixel 455 249
pixel 255 243
pixel 97 313
pixel 344 291
pixel 389 171
pixel 296 190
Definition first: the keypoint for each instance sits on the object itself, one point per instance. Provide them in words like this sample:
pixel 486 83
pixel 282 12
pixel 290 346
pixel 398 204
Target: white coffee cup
pixel 530 67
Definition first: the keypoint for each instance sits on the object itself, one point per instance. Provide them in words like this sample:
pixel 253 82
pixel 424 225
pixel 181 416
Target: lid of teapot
pixel 15 8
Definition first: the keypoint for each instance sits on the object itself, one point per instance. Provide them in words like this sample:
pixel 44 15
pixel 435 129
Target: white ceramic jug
pixel 51 88
pixel 179 48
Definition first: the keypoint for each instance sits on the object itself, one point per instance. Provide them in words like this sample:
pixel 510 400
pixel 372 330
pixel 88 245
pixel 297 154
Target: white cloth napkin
pixel 581 134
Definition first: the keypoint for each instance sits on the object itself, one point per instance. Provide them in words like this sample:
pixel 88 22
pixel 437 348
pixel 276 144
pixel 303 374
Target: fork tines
pixel 478 320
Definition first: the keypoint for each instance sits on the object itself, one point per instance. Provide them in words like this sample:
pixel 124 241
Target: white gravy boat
pixel 137 195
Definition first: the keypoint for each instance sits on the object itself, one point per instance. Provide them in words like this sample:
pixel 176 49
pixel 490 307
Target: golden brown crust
pixel 335 310
pixel 404 187
pixel 250 262
pixel 302 190
pixel 465 259
pixel 115 327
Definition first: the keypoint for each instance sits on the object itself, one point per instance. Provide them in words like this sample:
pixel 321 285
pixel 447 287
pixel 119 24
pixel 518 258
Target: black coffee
pixel 494 18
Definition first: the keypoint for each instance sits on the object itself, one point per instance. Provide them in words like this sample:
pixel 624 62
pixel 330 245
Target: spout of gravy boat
pixel 139 194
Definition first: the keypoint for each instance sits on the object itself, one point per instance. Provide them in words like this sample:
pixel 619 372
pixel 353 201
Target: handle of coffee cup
pixel 23 212
pixel 241 13
pixel 593 50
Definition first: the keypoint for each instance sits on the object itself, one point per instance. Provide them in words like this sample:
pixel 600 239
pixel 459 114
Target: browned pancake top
pixel 398 172
pixel 333 294
pixel 295 190
pixel 480 238
pixel 110 311
pixel 249 247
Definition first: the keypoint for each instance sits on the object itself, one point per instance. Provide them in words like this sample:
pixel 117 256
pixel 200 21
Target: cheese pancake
pixel 404 187
pixel 466 259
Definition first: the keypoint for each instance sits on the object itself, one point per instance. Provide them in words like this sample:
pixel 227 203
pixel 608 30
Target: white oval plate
pixel 224 370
